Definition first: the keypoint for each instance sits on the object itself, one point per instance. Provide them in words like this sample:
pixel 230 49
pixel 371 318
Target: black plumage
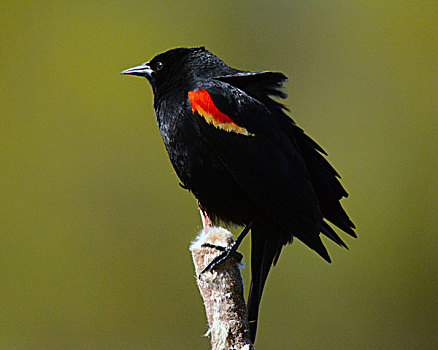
pixel 244 159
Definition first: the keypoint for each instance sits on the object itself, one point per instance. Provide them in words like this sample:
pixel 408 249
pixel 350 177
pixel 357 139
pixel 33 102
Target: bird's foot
pixel 226 253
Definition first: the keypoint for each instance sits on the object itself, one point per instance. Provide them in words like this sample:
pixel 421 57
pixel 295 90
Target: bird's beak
pixel 143 70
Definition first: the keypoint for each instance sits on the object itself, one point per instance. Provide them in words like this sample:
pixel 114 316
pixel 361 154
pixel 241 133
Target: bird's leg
pixel 207 223
pixel 226 252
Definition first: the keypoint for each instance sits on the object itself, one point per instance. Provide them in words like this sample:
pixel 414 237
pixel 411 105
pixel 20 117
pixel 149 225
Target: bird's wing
pixel 250 144
pixel 324 178
pixel 257 83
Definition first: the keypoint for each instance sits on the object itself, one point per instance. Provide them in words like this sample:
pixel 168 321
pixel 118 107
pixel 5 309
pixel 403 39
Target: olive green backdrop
pixel 95 229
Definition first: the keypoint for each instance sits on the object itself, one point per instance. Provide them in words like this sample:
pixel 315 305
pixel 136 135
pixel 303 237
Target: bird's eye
pixel 159 66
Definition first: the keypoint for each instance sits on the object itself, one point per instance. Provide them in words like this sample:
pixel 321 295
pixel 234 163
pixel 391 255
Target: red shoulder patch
pixel 201 102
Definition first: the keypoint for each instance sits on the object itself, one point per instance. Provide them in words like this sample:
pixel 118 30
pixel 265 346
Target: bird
pixel 234 146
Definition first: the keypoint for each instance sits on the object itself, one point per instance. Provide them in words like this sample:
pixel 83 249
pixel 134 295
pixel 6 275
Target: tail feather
pixel 265 250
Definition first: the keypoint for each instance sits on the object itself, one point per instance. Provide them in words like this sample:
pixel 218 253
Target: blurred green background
pixel 95 229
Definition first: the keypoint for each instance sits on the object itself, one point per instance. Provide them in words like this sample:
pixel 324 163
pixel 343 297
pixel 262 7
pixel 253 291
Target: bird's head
pixel 180 68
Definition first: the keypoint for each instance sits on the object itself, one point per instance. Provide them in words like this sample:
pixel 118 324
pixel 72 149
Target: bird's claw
pixel 210 245
pixel 226 253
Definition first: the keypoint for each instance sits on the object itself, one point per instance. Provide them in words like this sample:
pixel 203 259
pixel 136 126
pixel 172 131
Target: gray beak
pixel 143 70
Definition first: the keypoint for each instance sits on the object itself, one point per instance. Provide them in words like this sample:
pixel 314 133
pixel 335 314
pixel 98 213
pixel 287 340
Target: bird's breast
pixel 198 166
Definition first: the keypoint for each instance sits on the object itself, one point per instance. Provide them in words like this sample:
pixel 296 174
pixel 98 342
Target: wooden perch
pixel 222 292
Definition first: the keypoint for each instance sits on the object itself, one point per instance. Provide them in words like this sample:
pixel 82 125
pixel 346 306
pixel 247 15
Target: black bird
pixel 243 158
